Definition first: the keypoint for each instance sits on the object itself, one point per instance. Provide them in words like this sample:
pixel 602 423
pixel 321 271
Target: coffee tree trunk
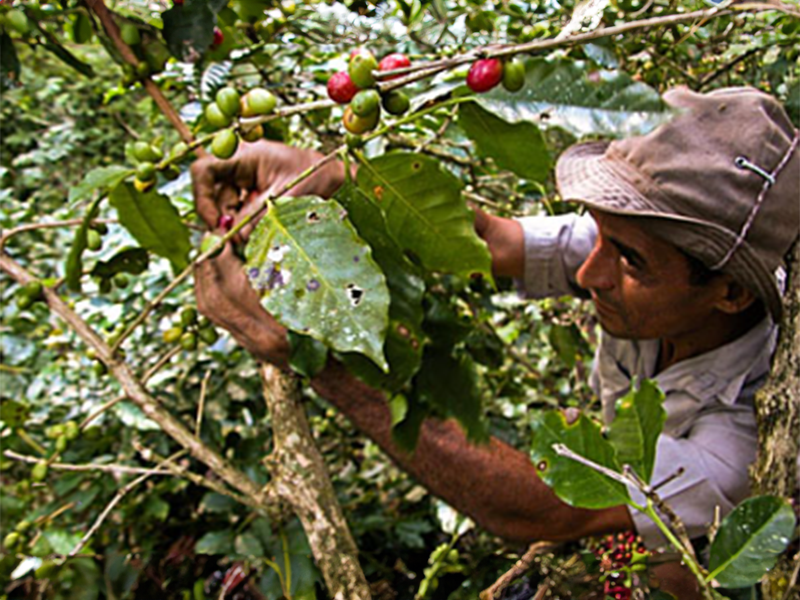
pixel 778 413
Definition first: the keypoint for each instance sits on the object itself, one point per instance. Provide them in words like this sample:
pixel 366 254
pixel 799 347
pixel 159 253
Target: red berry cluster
pixel 486 73
pixel 356 88
pixel 617 554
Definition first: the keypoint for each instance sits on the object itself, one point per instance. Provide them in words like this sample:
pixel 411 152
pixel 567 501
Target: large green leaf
pixel 154 222
pixel 189 28
pixel 749 541
pixel 425 213
pixel 560 93
pixel 638 423
pixel 519 147
pixel 318 277
pixel 576 484
pixel 99 178
pixel 449 383
pixel 405 337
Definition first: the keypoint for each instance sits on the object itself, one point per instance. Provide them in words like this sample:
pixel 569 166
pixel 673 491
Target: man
pixel 681 254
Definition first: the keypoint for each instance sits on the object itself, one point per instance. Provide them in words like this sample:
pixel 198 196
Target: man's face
pixel 641 286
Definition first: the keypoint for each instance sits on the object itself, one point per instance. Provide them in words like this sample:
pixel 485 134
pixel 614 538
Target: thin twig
pixel 522 566
pixel 86 467
pixel 201 403
pixel 114 501
pixel 6 235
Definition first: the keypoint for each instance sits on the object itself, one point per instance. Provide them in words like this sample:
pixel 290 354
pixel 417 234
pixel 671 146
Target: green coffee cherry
pixel 100 368
pixel 396 102
pixel 71 430
pixel 188 316
pixel 130 34
pixel 29 293
pixel 215 117
pixel 353 141
pixel 358 125
pixel 104 285
pixel 257 102
pixel 224 144
pixel 23 526
pixel 61 443
pixel 253 133
pixel 172 335
pixel 365 103
pixel 100 228
pixel 513 75
pixel 146 171
pixel 39 471
pixel 209 335
pixel 18 21
pixel 361 67
pixel 171 173
pixel 144 152
pixel 179 149
pixel 11 541
pixel 54 431
pixel 228 101
pixel 121 280
pixel 94 240
pixel 189 341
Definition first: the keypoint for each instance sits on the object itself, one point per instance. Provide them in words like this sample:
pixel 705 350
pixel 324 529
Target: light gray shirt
pixel 710 430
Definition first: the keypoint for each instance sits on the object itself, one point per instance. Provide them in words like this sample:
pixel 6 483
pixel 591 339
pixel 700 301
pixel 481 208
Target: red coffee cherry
pixel 392 62
pixel 219 37
pixel 341 88
pixel 225 222
pixel 484 74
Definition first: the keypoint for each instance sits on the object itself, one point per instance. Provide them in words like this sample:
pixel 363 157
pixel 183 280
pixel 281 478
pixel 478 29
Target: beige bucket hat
pixel 721 181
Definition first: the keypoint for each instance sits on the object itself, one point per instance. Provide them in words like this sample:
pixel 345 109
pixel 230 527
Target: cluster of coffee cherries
pixel 620 555
pixel 188 329
pixel 229 105
pixel 486 73
pixel 356 88
pixel 148 157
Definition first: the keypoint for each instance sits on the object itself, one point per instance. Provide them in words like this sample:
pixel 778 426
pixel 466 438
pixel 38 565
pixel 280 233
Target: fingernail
pixel 225 222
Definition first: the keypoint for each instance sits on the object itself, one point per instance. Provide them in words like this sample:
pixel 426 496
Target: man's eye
pixel 632 261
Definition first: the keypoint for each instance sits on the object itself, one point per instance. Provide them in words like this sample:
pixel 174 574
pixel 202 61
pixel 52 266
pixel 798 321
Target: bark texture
pixel 301 480
pixel 778 414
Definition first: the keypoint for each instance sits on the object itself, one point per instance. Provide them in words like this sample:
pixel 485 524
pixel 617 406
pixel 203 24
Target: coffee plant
pixel 140 459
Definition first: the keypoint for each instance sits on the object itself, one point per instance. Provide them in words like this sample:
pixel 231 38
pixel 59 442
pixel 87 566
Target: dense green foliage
pixel 440 340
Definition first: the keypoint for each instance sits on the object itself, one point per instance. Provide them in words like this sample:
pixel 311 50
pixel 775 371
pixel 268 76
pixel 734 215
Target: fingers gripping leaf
pixel 318 277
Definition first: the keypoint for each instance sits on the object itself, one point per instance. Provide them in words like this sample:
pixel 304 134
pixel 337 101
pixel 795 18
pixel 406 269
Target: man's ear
pixel 733 297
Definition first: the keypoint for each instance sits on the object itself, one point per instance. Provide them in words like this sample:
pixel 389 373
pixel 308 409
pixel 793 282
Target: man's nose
pixel 597 271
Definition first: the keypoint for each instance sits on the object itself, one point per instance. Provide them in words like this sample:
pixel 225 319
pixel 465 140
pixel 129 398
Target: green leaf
pixel 62 542
pixel 638 423
pixel 308 356
pixel 405 336
pixel 157 508
pixel 13 413
pixel 100 178
pixel 565 340
pixel 248 544
pixel 750 540
pixel 449 383
pixel 318 277
pixel 215 542
pixel 560 93
pixel 74 265
pixel 425 213
pixel 406 426
pixel 217 503
pixel 130 260
pixel 154 222
pixel 519 147
pixel 9 63
pixel 189 29
pixel 575 483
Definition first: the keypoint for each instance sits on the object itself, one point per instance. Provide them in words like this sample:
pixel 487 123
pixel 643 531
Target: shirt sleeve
pixel 714 456
pixel 555 247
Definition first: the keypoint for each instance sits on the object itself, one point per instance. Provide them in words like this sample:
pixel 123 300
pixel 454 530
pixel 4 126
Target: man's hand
pixel 225 296
pixel 506 242
pixel 223 187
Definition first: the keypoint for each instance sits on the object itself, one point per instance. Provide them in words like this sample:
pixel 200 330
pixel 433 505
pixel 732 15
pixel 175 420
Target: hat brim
pixel 585 174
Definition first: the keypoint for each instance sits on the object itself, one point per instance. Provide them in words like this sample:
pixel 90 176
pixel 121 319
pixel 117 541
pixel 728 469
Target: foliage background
pixel 169 537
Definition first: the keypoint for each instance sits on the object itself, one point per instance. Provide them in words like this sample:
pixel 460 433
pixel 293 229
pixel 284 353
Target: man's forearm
pixel 494 484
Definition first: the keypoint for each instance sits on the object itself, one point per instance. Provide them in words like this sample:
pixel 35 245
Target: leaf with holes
pixel 750 540
pixel 425 213
pixel 575 483
pixel 518 147
pixel 318 277
pixel 561 93
pixel 154 222
pixel 638 423
pixel 405 337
